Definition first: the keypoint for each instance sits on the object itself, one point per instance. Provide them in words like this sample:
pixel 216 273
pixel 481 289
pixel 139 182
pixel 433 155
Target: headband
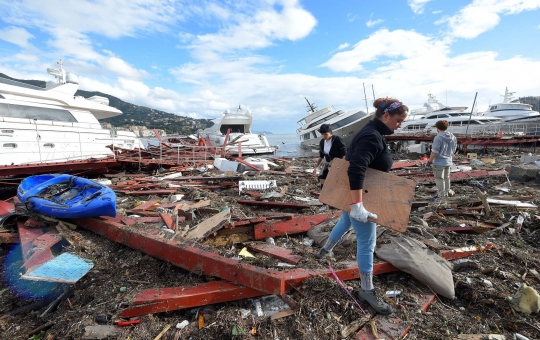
pixel 392 107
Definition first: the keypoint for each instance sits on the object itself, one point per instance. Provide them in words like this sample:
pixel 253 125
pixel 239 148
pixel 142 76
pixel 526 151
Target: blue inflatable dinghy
pixel 66 196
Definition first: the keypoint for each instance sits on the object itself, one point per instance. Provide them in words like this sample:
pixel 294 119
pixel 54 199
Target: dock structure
pixel 466 141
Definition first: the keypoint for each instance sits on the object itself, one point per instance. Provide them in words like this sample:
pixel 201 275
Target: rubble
pixel 153 217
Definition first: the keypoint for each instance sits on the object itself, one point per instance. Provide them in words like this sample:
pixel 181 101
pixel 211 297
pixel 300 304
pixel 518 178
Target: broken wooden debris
pixel 277 252
pixel 210 225
pixel 294 226
pixel 9 238
pixel 100 332
pixel 391 327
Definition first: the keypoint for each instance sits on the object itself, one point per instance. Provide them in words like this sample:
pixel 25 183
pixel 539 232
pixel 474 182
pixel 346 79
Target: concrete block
pixel 524 172
pixel 225 165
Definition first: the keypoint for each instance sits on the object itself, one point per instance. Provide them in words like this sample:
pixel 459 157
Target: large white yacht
pixel 51 124
pixel 343 123
pixel 240 137
pixel 433 106
pixel 511 111
pixel 460 122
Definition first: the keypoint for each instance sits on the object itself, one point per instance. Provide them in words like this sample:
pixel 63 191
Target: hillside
pixel 135 114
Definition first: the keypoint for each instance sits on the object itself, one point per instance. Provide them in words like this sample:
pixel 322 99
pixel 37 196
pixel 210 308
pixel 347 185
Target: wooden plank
pixel 199 204
pixel 387 195
pixel 145 206
pixel 294 226
pixel 277 252
pixel 209 225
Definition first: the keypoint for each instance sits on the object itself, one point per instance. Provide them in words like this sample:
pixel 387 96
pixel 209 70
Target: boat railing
pixel 484 130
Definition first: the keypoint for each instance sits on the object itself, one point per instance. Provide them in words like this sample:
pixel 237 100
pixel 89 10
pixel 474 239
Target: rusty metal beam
pixel 167 299
pixel 187 254
pixel 31 169
pixel 275 204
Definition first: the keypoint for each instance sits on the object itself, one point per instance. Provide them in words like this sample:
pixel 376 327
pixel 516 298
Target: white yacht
pixel 239 137
pixel 433 106
pixel 511 111
pixel 459 123
pixel 343 123
pixel 51 124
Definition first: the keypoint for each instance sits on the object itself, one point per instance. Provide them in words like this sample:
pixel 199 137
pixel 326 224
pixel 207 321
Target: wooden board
pixel 209 225
pixel 386 195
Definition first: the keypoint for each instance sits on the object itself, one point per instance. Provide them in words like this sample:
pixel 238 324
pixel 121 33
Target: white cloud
pixel 342 46
pixel 417 6
pixel 259 30
pixel 110 18
pixel 384 43
pixel 372 23
pixel 436 12
pixel 483 15
pixel 16 35
pixel 351 17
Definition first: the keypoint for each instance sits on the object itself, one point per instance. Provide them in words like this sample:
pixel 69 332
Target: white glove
pixel 359 213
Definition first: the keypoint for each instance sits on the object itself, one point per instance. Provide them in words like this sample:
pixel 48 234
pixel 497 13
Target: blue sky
pixel 198 58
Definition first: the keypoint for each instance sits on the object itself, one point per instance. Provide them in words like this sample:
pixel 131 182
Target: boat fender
pixel 202 142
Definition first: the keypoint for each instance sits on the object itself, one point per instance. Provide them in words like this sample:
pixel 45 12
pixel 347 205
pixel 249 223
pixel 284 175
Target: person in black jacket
pixel 367 149
pixel 330 147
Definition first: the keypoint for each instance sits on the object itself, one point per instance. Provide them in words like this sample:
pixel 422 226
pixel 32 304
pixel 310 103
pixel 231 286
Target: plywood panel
pixel 384 194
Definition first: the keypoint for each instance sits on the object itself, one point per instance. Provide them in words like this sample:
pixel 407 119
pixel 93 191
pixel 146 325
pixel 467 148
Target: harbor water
pixel 289 146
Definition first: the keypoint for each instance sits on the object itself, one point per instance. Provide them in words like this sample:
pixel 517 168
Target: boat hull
pixel 65 196
pixel 347 133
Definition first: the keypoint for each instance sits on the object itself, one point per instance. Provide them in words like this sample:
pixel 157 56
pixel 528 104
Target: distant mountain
pixel 137 115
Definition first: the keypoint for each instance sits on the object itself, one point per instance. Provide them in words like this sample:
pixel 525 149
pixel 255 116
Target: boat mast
pixel 472 108
pixel 311 107
pixel 365 97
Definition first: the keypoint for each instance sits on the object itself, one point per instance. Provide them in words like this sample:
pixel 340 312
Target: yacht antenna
pixel 472 108
pixel 311 106
pixel 373 89
pixel 365 97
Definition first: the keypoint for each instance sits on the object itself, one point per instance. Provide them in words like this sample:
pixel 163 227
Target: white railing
pixel 492 130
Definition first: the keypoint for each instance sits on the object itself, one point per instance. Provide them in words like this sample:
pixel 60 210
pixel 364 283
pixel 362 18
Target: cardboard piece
pixel 384 194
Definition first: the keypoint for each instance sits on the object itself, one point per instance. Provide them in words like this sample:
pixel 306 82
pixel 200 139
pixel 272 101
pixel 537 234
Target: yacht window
pixel 314 134
pixel 2 97
pixel 209 124
pixel 10 145
pixel 474 122
pixel 42 113
pixel 48 145
pixel 8 131
pixel 306 136
pixel 322 120
pixel 455 114
pixel 234 128
pixel 4 110
pixel 345 121
pixel 415 126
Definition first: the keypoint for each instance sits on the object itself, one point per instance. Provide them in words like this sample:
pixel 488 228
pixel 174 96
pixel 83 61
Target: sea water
pixel 289 146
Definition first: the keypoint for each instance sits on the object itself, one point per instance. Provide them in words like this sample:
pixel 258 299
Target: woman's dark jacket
pixel 368 150
pixel 338 149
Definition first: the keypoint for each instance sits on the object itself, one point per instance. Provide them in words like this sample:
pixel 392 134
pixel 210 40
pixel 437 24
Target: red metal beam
pixel 6 208
pixel 167 299
pixel 187 254
pixel 31 169
pixel 275 204
pixel 152 192
pixel 240 160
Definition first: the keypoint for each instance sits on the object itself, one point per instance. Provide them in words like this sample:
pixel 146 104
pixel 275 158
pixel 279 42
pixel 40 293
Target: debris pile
pixel 202 252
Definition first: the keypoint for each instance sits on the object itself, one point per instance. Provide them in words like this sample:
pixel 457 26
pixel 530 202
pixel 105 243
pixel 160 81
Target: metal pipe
pixel 365 98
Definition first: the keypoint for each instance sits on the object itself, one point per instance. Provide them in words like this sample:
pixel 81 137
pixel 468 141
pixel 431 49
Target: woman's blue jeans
pixel 366 237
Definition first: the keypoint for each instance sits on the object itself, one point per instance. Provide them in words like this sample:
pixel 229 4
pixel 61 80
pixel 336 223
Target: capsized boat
pixel 66 196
